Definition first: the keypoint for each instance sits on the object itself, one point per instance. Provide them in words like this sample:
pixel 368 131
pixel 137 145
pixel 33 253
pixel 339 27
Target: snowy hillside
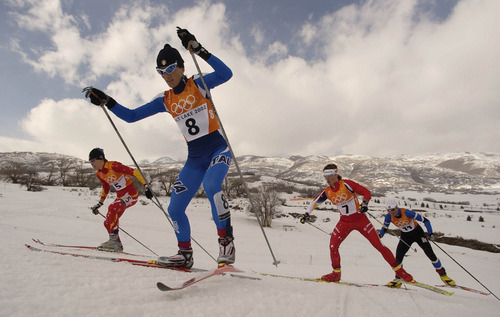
pixel 42 284
pixel 444 172
pixel 39 160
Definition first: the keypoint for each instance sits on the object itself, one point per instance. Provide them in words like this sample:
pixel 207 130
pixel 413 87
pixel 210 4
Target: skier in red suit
pixel 343 194
pixel 112 173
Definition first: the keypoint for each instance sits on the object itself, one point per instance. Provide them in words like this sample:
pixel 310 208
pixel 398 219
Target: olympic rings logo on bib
pixel 340 198
pixel 183 105
pixel 111 179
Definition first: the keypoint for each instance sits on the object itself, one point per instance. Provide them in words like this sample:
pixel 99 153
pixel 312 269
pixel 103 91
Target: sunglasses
pixel 167 70
pixel 92 160
pixel 391 209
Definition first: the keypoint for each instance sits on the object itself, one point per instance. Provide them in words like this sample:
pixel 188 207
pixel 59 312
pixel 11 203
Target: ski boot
pixel 448 281
pixel 227 252
pixel 396 283
pixel 332 277
pixel 112 245
pixel 183 258
pixel 403 274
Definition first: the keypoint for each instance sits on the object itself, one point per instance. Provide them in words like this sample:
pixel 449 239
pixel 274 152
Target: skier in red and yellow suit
pixel 343 194
pixel 115 174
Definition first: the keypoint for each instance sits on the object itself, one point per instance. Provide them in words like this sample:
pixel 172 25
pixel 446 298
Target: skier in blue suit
pixel 208 154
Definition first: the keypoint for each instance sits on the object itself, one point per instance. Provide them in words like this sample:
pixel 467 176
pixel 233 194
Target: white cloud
pixel 414 86
pixel 126 42
pixel 43 16
pixel 308 34
pixel 381 82
pixel 20 145
pixel 75 126
pixel 67 50
pixel 257 34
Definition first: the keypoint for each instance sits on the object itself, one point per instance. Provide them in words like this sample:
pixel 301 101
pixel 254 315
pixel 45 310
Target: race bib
pixel 348 207
pixel 192 112
pixel 127 200
pixel 120 184
pixel 194 123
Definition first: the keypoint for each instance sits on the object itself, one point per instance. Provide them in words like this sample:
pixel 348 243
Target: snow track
pixel 43 284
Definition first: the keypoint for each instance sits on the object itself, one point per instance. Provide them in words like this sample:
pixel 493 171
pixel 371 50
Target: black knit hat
pixel 167 56
pixel 96 154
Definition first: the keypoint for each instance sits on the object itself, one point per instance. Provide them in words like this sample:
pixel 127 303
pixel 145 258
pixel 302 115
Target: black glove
pixel 305 218
pixel 430 236
pixel 189 40
pixel 98 98
pixel 364 206
pixel 380 235
pixel 95 208
pixel 148 192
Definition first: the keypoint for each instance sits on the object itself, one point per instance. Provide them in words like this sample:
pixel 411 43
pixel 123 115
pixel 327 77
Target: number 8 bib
pixel 192 112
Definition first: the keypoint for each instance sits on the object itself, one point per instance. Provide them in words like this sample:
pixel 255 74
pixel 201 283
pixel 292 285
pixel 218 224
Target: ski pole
pixel 318 228
pixel 128 234
pixel 257 212
pixel 157 202
pixel 464 269
pixel 392 234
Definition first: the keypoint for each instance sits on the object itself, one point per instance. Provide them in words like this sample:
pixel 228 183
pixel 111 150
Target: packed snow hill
pixel 50 284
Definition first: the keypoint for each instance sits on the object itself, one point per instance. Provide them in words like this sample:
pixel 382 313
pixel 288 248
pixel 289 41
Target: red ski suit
pixel 344 195
pixel 118 175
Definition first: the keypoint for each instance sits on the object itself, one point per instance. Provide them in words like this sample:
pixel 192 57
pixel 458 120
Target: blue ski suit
pixel 208 153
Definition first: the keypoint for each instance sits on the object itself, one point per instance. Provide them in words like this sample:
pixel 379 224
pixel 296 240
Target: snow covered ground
pixel 43 284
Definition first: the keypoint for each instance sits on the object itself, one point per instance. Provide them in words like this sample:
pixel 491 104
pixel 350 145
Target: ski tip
pixel 162 287
pixel 31 247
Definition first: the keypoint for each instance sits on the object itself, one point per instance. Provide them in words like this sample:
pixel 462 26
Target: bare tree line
pixel 69 172
pixel 63 171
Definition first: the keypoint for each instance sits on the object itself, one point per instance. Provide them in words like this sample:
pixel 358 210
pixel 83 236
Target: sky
pixel 378 78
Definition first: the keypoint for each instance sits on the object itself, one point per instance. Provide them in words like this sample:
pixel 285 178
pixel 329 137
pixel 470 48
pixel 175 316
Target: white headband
pixel 330 172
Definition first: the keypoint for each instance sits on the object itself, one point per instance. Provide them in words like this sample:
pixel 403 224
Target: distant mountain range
pixel 443 172
pixel 452 172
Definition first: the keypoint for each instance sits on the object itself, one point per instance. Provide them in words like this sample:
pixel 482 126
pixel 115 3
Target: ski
pixel 418 284
pixel 150 263
pixel 429 287
pixel 465 288
pixel 218 271
pixel 46 244
pixel 312 279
